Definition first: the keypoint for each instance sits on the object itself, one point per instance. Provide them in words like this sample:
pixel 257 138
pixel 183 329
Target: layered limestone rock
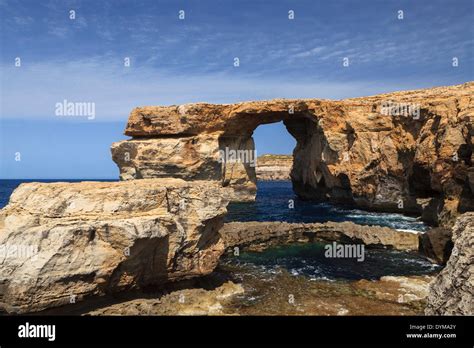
pixel 274 167
pixel 452 291
pixel 189 158
pixel 405 151
pixel 257 235
pixel 91 238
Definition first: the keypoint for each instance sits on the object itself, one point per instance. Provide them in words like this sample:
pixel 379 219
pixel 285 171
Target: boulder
pixel 64 241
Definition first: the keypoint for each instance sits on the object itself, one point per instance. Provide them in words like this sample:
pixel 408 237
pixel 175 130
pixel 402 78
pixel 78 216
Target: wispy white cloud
pixel 311 52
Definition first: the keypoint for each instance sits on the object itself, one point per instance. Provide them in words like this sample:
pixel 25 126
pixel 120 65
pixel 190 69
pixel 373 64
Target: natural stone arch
pixel 241 177
pixel 354 150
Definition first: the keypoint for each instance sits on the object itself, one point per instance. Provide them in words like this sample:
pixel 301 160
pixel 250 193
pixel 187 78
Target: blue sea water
pixel 272 204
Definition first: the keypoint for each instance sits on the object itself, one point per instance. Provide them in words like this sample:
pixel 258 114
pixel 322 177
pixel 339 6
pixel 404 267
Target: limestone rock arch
pixel 361 151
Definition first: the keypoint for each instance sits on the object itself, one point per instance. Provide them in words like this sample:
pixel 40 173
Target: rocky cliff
pixel 64 241
pixel 406 151
pixel 452 291
pixel 274 167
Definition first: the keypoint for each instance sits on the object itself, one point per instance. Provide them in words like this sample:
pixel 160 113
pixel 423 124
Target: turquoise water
pixel 309 260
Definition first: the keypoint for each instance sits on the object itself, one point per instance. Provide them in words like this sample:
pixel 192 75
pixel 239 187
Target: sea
pixel 276 201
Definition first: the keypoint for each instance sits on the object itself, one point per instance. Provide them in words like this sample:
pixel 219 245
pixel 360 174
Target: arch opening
pixel 310 176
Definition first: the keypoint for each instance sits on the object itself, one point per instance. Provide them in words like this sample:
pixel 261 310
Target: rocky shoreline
pixel 388 296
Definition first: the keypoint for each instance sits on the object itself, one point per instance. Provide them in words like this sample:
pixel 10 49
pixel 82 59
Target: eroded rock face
pixel 452 291
pixel 189 158
pixel 274 167
pixel 257 235
pixel 91 238
pixel 406 151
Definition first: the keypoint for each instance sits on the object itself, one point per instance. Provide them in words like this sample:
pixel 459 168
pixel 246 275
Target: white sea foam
pixel 410 231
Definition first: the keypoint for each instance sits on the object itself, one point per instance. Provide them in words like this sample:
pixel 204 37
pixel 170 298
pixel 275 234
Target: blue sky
pixel 177 61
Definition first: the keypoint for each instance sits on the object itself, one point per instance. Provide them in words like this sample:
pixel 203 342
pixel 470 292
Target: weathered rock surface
pixel 256 235
pixel 452 291
pixel 388 296
pixel 408 151
pixel 267 294
pixel 436 244
pixel 274 167
pixel 188 158
pixel 92 238
pixel 399 289
pixel 181 302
